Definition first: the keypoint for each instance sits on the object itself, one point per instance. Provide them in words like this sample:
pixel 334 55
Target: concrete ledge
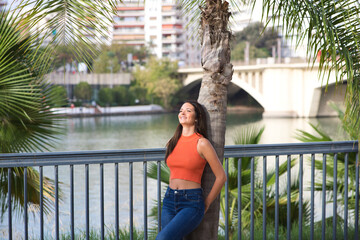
pixel 280 114
pixel 105 111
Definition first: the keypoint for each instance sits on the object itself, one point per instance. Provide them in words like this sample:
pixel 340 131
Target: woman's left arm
pixel 207 151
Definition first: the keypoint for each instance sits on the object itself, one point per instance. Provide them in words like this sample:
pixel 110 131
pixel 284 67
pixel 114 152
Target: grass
pixel 95 234
pixel 138 234
pixel 270 232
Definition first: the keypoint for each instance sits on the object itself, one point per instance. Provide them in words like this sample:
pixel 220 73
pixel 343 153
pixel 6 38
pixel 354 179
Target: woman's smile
pixel 187 114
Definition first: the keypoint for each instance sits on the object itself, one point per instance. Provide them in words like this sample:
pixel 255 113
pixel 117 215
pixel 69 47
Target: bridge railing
pixel 242 159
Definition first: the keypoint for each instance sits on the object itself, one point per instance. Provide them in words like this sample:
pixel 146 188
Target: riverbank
pixel 244 109
pixel 108 111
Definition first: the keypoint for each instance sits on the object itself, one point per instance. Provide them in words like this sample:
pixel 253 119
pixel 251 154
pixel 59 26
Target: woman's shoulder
pixel 203 142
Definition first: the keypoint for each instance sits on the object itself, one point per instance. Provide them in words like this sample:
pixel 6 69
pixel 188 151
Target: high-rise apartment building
pixel 3 4
pixel 158 25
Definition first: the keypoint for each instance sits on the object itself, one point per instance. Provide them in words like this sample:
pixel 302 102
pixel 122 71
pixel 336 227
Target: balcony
pixel 173 39
pixel 173 49
pixel 125 13
pixel 130 24
pixel 129 31
pixel 172 30
pixel 172 21
pixel 276 166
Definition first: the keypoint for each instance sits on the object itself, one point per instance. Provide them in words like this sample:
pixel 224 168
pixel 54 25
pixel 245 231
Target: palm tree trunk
pixel 218 72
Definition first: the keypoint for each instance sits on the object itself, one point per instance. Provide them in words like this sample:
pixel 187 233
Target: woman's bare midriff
pixel 183 184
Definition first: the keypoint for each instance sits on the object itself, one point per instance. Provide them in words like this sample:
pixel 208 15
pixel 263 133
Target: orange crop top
pixel 184 161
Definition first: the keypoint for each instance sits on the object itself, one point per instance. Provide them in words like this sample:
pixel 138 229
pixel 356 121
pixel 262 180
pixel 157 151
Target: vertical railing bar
pixel 346 196
pixel 9 204
pixel 131 200
pixel 277 197
pixel 323 212
pixel 72 222
pixel 25 204
pixel 312 197
pixel 56 202
pixel 227 199
pixel 288 207
pixel 87 217
pixel 102 221
pixel 41 202
pixel 301 192
pixel 357 197
pixel 239 199
pixel 117 237
pixel 264 197
pixel 159 194
pixel 145 200
pixel 252 198
pixel 335 196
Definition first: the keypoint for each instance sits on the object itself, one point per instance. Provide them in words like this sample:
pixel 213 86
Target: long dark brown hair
pixel 200 127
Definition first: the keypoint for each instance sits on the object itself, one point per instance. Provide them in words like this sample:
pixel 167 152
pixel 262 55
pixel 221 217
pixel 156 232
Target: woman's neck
pixel 188 131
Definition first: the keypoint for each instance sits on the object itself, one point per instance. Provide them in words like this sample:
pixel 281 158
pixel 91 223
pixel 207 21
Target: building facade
pixel 158 25
pixel 3 4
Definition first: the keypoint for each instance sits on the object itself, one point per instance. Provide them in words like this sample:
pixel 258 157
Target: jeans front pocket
pixel 193 197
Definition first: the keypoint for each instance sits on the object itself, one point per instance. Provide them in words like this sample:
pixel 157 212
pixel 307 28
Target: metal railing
pixel 266 152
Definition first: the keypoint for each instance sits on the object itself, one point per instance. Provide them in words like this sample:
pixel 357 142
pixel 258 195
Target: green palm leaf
pixel 81 25
pixel 27 123
pixel 340 161
pixel 332 28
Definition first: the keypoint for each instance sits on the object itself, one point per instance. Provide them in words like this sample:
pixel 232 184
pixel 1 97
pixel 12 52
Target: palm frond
pixel 304 136
pixel 77 24
pixel 26 120
pixel 17 191
pixel 153 171
pixel 329 27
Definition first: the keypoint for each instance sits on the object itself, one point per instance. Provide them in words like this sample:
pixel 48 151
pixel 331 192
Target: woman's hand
pixel 207 205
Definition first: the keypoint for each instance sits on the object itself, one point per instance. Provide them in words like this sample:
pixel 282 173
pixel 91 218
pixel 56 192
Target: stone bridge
pixel 283 90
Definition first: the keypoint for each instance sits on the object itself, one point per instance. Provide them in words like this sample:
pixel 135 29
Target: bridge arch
pixel 248 88
pixel 254 93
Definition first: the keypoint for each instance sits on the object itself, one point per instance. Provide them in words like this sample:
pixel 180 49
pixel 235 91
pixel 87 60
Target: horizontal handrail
pixel 157 154
pixel 290 149
pixel 11 160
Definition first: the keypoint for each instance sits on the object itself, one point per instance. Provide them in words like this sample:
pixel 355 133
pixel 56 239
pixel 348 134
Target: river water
pixel 136 132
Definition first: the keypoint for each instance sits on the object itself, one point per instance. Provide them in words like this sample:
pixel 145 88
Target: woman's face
pixel 187 115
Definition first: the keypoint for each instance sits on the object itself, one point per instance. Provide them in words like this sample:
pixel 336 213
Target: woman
pixel 187 153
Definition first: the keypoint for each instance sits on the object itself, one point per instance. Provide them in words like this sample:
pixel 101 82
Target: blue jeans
pixel 181 213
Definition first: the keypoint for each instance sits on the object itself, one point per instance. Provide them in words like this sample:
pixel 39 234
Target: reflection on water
pixel 149 131
pixel 133 132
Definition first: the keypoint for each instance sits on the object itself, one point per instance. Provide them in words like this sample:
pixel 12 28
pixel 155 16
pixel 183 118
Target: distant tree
pixel 64 54
pixel 121 52
pixel 139 93
pixel 105 96
pixel 141 54
pixel 238 53
pixel 160 78
pixel 166 87
pixel 105 62
pixel 83 91
pixel 122 96
pixel 261 41
pixel 60 96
